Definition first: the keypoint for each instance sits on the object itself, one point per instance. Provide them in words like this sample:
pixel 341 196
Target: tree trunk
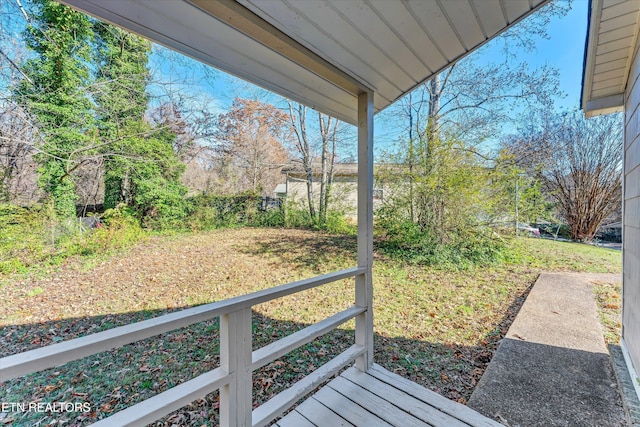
pixel 302 144
pixel 435 92
pixel 334 142
pixel 410 160
pixel 324 133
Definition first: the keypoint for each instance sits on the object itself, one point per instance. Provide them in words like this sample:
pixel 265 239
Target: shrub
pixel 296 215
pixel 207 212
pixel 338 223
pixel 406 240
pixel 120 229
pixel 270 218
pixel 202 218
pixel 24 236
pixel 162 205
pixel 224 211
pixel 35 236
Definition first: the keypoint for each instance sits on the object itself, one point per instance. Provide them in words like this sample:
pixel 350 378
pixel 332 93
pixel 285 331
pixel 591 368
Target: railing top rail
pixel 158 406
pixel 58 354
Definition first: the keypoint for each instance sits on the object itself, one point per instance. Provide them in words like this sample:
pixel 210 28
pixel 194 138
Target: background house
pixel 344 187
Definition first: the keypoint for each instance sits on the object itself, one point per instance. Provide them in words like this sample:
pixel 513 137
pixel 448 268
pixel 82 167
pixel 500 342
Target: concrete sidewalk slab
pixel 553 367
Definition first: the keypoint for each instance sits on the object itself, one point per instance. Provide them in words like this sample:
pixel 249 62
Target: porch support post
pixel 235 357
pixel 364 282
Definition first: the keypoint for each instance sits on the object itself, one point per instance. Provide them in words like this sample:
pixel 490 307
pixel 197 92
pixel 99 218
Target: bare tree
pixel 193 124
pixel 473 99
pixel 250 136
pixel 18 176
pixel 453 114
pixel 310 153
pixel 298 117
pixel 579 162
pixel 328 134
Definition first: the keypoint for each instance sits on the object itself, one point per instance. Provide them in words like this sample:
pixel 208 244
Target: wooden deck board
pixel 382 408
pixel 462 412
pixel 410 404
pixel 320 415
pixel 355 414
pixel 381 398
pixel 294 419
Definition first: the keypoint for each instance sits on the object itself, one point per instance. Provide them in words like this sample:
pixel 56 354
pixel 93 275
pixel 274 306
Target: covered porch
pixel 347 59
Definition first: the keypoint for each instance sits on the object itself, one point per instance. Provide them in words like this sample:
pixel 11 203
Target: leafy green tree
pixel 456 199
pixel 52 89
pixel 451 195
pixel 142 169
pixel 121 100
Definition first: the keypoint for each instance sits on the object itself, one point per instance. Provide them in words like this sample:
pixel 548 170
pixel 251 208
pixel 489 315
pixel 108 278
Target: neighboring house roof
pixel 320 53
pixel 612 38
pixel 341 169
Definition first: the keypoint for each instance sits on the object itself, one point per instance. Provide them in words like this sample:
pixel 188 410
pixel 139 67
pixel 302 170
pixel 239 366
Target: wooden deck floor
pixel 380 398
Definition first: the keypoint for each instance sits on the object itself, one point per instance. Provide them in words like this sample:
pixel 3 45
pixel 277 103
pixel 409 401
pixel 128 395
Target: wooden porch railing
pixel 237 360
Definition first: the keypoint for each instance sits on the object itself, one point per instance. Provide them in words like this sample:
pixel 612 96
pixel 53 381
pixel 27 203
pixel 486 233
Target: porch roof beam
pixel 251 25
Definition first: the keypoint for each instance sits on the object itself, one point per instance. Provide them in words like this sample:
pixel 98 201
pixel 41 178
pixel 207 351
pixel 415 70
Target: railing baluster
pixel 236 402
pixel 364 321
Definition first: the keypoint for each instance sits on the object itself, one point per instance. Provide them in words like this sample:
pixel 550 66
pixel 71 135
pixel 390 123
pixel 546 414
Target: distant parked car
pixel 89 222
pixel 529 230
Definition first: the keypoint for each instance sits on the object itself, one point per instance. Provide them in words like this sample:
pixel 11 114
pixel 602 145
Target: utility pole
pixel 517 198
pixel 516 223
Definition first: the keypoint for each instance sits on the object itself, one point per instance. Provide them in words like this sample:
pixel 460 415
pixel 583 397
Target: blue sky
pixel 565 50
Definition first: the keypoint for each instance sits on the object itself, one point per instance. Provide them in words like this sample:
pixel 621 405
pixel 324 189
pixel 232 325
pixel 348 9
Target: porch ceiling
pixel 320 53
pixel 611 42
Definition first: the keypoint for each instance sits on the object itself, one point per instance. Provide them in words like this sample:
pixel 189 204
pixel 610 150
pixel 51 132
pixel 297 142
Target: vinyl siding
pixel 631 212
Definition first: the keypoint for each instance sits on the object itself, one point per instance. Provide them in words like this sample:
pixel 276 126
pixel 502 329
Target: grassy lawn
pixel 436 327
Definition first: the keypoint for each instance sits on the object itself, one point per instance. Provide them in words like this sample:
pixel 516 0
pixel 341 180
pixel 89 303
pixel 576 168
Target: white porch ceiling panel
pixel 611 44
pixel 320 52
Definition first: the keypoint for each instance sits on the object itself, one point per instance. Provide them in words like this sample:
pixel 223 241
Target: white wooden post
pixel 236 402
pixel 364 282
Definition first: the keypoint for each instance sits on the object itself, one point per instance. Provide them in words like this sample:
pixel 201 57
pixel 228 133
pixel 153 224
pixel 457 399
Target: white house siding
pixel 343 196
pixel 631 213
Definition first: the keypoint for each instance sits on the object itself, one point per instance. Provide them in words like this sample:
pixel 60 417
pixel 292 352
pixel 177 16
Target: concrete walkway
pixel 553 367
